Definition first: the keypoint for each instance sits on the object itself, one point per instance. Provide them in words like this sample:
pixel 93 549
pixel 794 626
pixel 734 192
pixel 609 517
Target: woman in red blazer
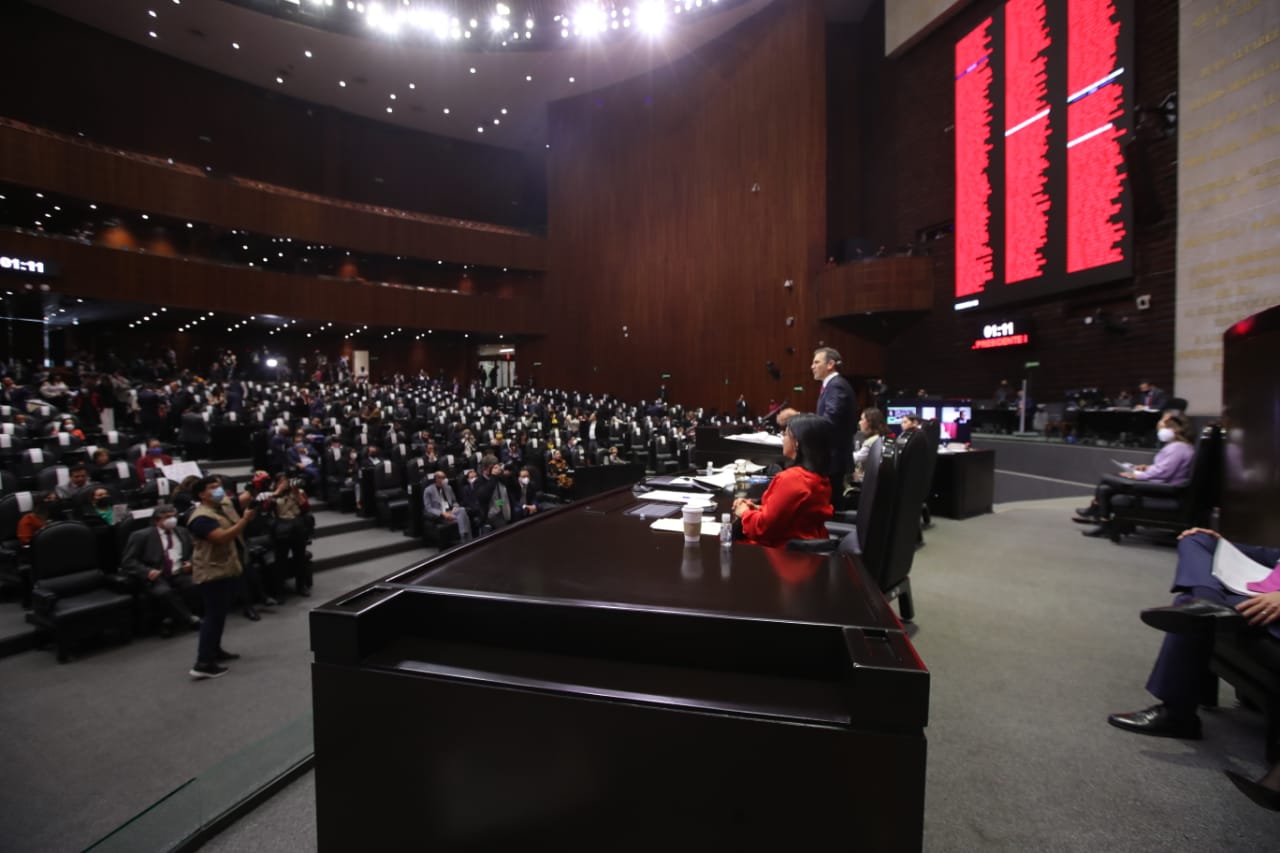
pixel 797 503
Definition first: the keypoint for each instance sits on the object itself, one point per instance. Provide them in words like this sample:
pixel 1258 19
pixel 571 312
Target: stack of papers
pixel 676 525
pixel 1234 570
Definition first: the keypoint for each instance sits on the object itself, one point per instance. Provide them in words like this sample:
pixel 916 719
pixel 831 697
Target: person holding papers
pixel 1173 464
pixel 797 503
pixel 1208 568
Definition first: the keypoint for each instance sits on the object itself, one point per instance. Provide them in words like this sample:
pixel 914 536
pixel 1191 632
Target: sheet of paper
pixel 1234 570
pixel 766 439
pixel 718 480
pixel 676 525
pixel 1128 466
pixel 179 471
pixel 674 497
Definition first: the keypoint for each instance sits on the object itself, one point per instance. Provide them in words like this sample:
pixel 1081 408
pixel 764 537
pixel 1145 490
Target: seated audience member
pixel 1123 400
pixel 441 507
pixel 558 469
pixel 873 429
pixel 159 557
pixel 41 510
pixel 99 506
pixel 797 503
pixel 525 498
pixel 469 499
pixel 78 479
pixel 302 463
pixel 100 465
pixel 1181 679
pixel 69 427
pixel 153 458
pixel 1172 465
pixel 613 458
pixel 1151 397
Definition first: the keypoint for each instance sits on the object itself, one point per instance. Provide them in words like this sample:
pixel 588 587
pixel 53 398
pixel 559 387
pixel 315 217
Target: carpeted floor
pixel 1030 632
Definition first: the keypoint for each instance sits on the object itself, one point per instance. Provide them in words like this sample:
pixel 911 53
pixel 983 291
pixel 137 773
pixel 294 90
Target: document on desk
pixel 674 497
pixel 1234 570
pixel 767 439
pixel 1128 466
pixel 676 525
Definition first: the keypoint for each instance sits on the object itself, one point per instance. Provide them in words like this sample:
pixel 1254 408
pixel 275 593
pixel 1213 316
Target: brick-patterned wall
pixel 908 181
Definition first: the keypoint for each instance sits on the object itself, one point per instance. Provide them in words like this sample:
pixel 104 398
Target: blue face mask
pixel 219 493
pixel 156 451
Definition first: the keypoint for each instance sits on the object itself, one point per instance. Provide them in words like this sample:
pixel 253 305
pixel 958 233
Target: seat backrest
pixel 866 497
pixel 52 476
pixel 12 507
pixel 61 549
pixel 873 529
pixel 915 460
pixel 388 474
pixel 1204 489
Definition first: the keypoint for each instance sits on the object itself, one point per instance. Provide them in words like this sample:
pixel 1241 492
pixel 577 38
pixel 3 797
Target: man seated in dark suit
pixel 77 480
pixel 159 556
pixel 1181 679
pixel 1151 397
pixel 526 499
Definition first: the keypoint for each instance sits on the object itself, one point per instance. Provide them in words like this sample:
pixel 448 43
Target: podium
pixel 583 681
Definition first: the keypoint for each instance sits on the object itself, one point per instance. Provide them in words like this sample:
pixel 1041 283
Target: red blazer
pixel 796 505
pixel 146 461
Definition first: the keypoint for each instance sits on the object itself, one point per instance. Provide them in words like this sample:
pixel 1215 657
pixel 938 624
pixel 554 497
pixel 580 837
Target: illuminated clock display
pixel 1003 333
pixel 27 265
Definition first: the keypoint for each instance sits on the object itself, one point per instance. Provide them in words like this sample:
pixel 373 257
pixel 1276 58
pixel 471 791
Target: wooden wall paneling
pixel 653 224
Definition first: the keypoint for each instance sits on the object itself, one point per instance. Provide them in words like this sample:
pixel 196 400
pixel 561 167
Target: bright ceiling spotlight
pixel 499 24
pixel 651 17
pixel 590 19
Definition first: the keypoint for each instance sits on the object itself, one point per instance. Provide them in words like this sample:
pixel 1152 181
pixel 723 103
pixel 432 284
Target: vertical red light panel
pixel 1026 141
pixel 973 161
pixel 1095 161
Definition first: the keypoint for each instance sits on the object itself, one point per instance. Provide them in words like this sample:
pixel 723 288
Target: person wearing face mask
pixel 524 496
pixel 154 457
pixel 470 497
pixel 215 569
pixel 1172 465
pixel 39 516
pixel 159 557
pixel 442 510
pixel 499 504
pixel 99 507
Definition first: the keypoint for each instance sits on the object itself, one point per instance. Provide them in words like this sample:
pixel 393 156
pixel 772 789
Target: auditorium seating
pixel 71 596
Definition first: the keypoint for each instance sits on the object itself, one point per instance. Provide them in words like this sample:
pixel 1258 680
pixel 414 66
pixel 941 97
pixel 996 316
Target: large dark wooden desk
pixel 582 681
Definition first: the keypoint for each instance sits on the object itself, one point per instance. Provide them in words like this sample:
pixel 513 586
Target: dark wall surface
pixel 654 225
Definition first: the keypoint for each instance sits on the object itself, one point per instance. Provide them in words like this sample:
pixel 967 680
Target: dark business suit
pixel 836 405
pixel 1181 677
pixel 145 551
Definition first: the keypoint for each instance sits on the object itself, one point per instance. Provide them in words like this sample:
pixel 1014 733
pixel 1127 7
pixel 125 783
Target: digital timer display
pixel 27 265
pixel 1007 333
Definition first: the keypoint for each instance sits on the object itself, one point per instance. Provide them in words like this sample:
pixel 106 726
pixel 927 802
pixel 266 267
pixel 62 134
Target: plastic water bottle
pixel 710 468
pixel 726 530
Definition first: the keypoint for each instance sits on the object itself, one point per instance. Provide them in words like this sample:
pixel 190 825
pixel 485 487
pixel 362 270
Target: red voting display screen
pixel 1043 106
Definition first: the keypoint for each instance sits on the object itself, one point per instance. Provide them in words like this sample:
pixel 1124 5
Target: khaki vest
pixel 210 562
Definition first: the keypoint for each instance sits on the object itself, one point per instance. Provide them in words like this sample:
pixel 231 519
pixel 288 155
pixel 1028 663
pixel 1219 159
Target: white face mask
pixel 169 523
pixel 524 481
pixel 1165 435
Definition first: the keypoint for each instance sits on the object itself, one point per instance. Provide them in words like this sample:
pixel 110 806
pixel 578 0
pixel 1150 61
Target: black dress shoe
pixel 1260 794
pixel 1196 616
pixel 251 613
pixel 1158 721
pixel 224 656
pixel 1090 511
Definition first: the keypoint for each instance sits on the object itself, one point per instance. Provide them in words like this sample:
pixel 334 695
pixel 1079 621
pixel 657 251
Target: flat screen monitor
pixel 895 414
pixel 955 422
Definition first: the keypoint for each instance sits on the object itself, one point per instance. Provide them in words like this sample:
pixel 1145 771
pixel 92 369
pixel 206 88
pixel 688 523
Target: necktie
pixel 168 552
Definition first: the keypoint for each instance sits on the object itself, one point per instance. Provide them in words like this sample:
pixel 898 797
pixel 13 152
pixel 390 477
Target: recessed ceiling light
pixel 497 121
pixel 413 86
pixel 152 33
pixel 570 79
pixel 342 83
pixel 235 45
pixel 144 216
pixel 151 12
pixel 479 130
pixel 307 54
pixel 388 109
pixel 528 78
pixel 446 110
pixel 473 70
pixel 281 80
pixel 393 96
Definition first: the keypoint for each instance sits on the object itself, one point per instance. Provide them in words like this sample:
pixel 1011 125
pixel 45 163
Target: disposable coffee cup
pixel 692 524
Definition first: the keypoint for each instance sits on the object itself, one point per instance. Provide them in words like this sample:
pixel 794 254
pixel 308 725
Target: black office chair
pixel 71 596
pixel 15 566
pixel 1250 662
pixel 1164 506
pixel 194 435
pixel 391 503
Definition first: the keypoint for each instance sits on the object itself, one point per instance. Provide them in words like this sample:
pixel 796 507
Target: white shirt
pixel 828 378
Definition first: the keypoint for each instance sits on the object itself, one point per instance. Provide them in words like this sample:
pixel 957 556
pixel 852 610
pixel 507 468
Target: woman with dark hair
pixel 873 429
pixel 797 503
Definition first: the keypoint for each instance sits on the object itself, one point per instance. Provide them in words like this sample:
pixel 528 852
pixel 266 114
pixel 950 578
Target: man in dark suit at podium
pixel 836 406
